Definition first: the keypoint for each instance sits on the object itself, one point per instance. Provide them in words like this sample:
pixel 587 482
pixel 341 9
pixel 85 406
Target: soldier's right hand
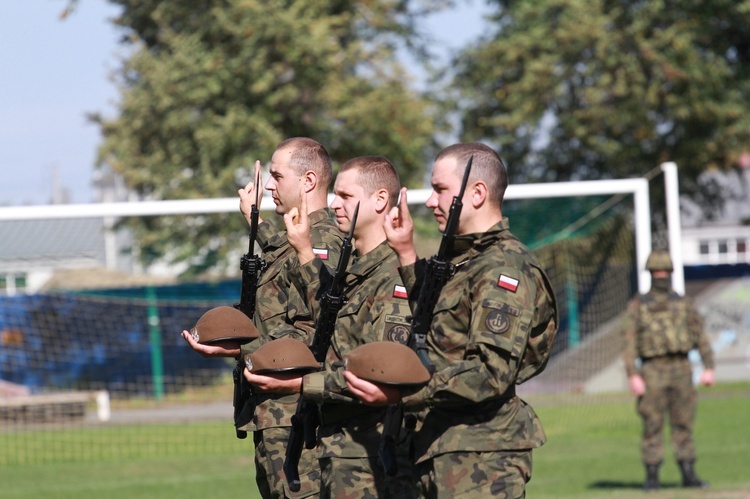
pixel 637 385
pixel 223 349
pixel 297 225
pixel 375 394
pixel 247 194
pixel 274 383
pixel 399 231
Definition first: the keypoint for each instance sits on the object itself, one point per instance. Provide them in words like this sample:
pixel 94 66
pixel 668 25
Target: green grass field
pixel 593 447
pixel 593 451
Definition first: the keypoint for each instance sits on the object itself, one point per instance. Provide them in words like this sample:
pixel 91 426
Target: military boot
pixel 689 478
pixel 652 477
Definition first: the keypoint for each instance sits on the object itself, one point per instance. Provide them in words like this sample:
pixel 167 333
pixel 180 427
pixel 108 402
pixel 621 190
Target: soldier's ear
pixel 311 180
pixel 381 200
pixel 478 192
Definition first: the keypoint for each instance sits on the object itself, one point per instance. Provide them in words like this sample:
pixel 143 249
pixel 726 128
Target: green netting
pixel 540 221
pixel 89 342
pixel 587 246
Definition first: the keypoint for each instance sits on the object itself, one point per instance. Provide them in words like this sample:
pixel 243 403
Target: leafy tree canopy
pixel 589 89
pixel 211 86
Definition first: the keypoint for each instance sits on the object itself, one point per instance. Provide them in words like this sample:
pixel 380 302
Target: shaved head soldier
pixel 492 328
pixel 376 310
pixel 300 174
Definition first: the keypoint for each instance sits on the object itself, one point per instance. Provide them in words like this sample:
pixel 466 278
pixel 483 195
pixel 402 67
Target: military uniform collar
pixel 322 216
pixel 662 295
pixel 363 265
pixel 478 241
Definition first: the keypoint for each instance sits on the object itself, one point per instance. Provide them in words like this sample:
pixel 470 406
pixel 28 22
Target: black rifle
pixel 438 271
pixel 252 266
pixel 306 421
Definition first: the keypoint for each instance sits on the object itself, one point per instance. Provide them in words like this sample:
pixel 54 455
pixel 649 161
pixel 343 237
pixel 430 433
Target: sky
pixel 53 72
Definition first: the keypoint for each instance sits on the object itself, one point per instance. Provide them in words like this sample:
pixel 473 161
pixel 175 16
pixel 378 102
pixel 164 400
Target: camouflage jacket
pixel 376 309
pixel 279 309
pixel 493 327
pixel 661 323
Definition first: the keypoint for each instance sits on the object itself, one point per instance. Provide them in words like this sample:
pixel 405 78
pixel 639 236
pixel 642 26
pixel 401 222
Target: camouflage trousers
pixel 475 474
pixel 669 389
pixel 364 478
pixel 270 450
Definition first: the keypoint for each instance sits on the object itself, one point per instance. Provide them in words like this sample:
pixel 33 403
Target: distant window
pixel 704 248
pixel 741 246
pixel 723 247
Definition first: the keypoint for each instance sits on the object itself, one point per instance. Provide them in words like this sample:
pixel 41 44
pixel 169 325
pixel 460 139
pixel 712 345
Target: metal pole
pixel 574 332
pixel 642 208
pixel 154 336
pixel 674 225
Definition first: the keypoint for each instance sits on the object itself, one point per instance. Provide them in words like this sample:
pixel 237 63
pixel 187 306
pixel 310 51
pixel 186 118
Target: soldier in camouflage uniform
pixel 492 328
pixel 300 174
pixel 661 327
pixel 376 309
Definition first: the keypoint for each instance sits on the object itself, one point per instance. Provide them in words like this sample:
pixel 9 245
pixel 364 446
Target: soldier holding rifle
pixel 376 309
pixel 300 174
pixel 492 328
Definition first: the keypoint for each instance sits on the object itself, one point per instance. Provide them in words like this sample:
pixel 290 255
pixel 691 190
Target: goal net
pixel 92 365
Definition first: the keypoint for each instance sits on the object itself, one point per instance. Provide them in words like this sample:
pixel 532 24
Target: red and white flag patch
pixel 507 282
pixel 399 292
pixel 321 253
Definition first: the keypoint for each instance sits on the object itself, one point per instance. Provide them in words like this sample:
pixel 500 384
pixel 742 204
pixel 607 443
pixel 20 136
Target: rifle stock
pixel 306 420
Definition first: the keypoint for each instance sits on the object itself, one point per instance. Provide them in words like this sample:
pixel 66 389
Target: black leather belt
pixel 673 356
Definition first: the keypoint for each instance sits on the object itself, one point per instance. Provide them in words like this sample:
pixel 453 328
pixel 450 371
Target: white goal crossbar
pixel 638 187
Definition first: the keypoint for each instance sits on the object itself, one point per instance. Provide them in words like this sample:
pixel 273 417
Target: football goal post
pixel 121 345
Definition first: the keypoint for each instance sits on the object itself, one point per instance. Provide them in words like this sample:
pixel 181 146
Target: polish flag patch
pixel 507 282
pixel 321 253
pixel 399 292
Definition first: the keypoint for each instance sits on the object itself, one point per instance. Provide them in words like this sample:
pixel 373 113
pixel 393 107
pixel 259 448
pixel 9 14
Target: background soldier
pixel 661 327
pixel 492 328
pixel 376 309
pixel 301 173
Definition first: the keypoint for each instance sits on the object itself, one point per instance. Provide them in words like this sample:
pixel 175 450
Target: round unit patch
pixel 497 321
pixel 398 333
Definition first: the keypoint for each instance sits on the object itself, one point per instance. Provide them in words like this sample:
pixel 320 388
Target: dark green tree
pixel 580 89
pixel 209 87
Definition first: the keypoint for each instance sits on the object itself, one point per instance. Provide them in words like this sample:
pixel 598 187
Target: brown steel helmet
pixel 222 324
pixel 659 260
pixel 387 362
pixel 282 355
